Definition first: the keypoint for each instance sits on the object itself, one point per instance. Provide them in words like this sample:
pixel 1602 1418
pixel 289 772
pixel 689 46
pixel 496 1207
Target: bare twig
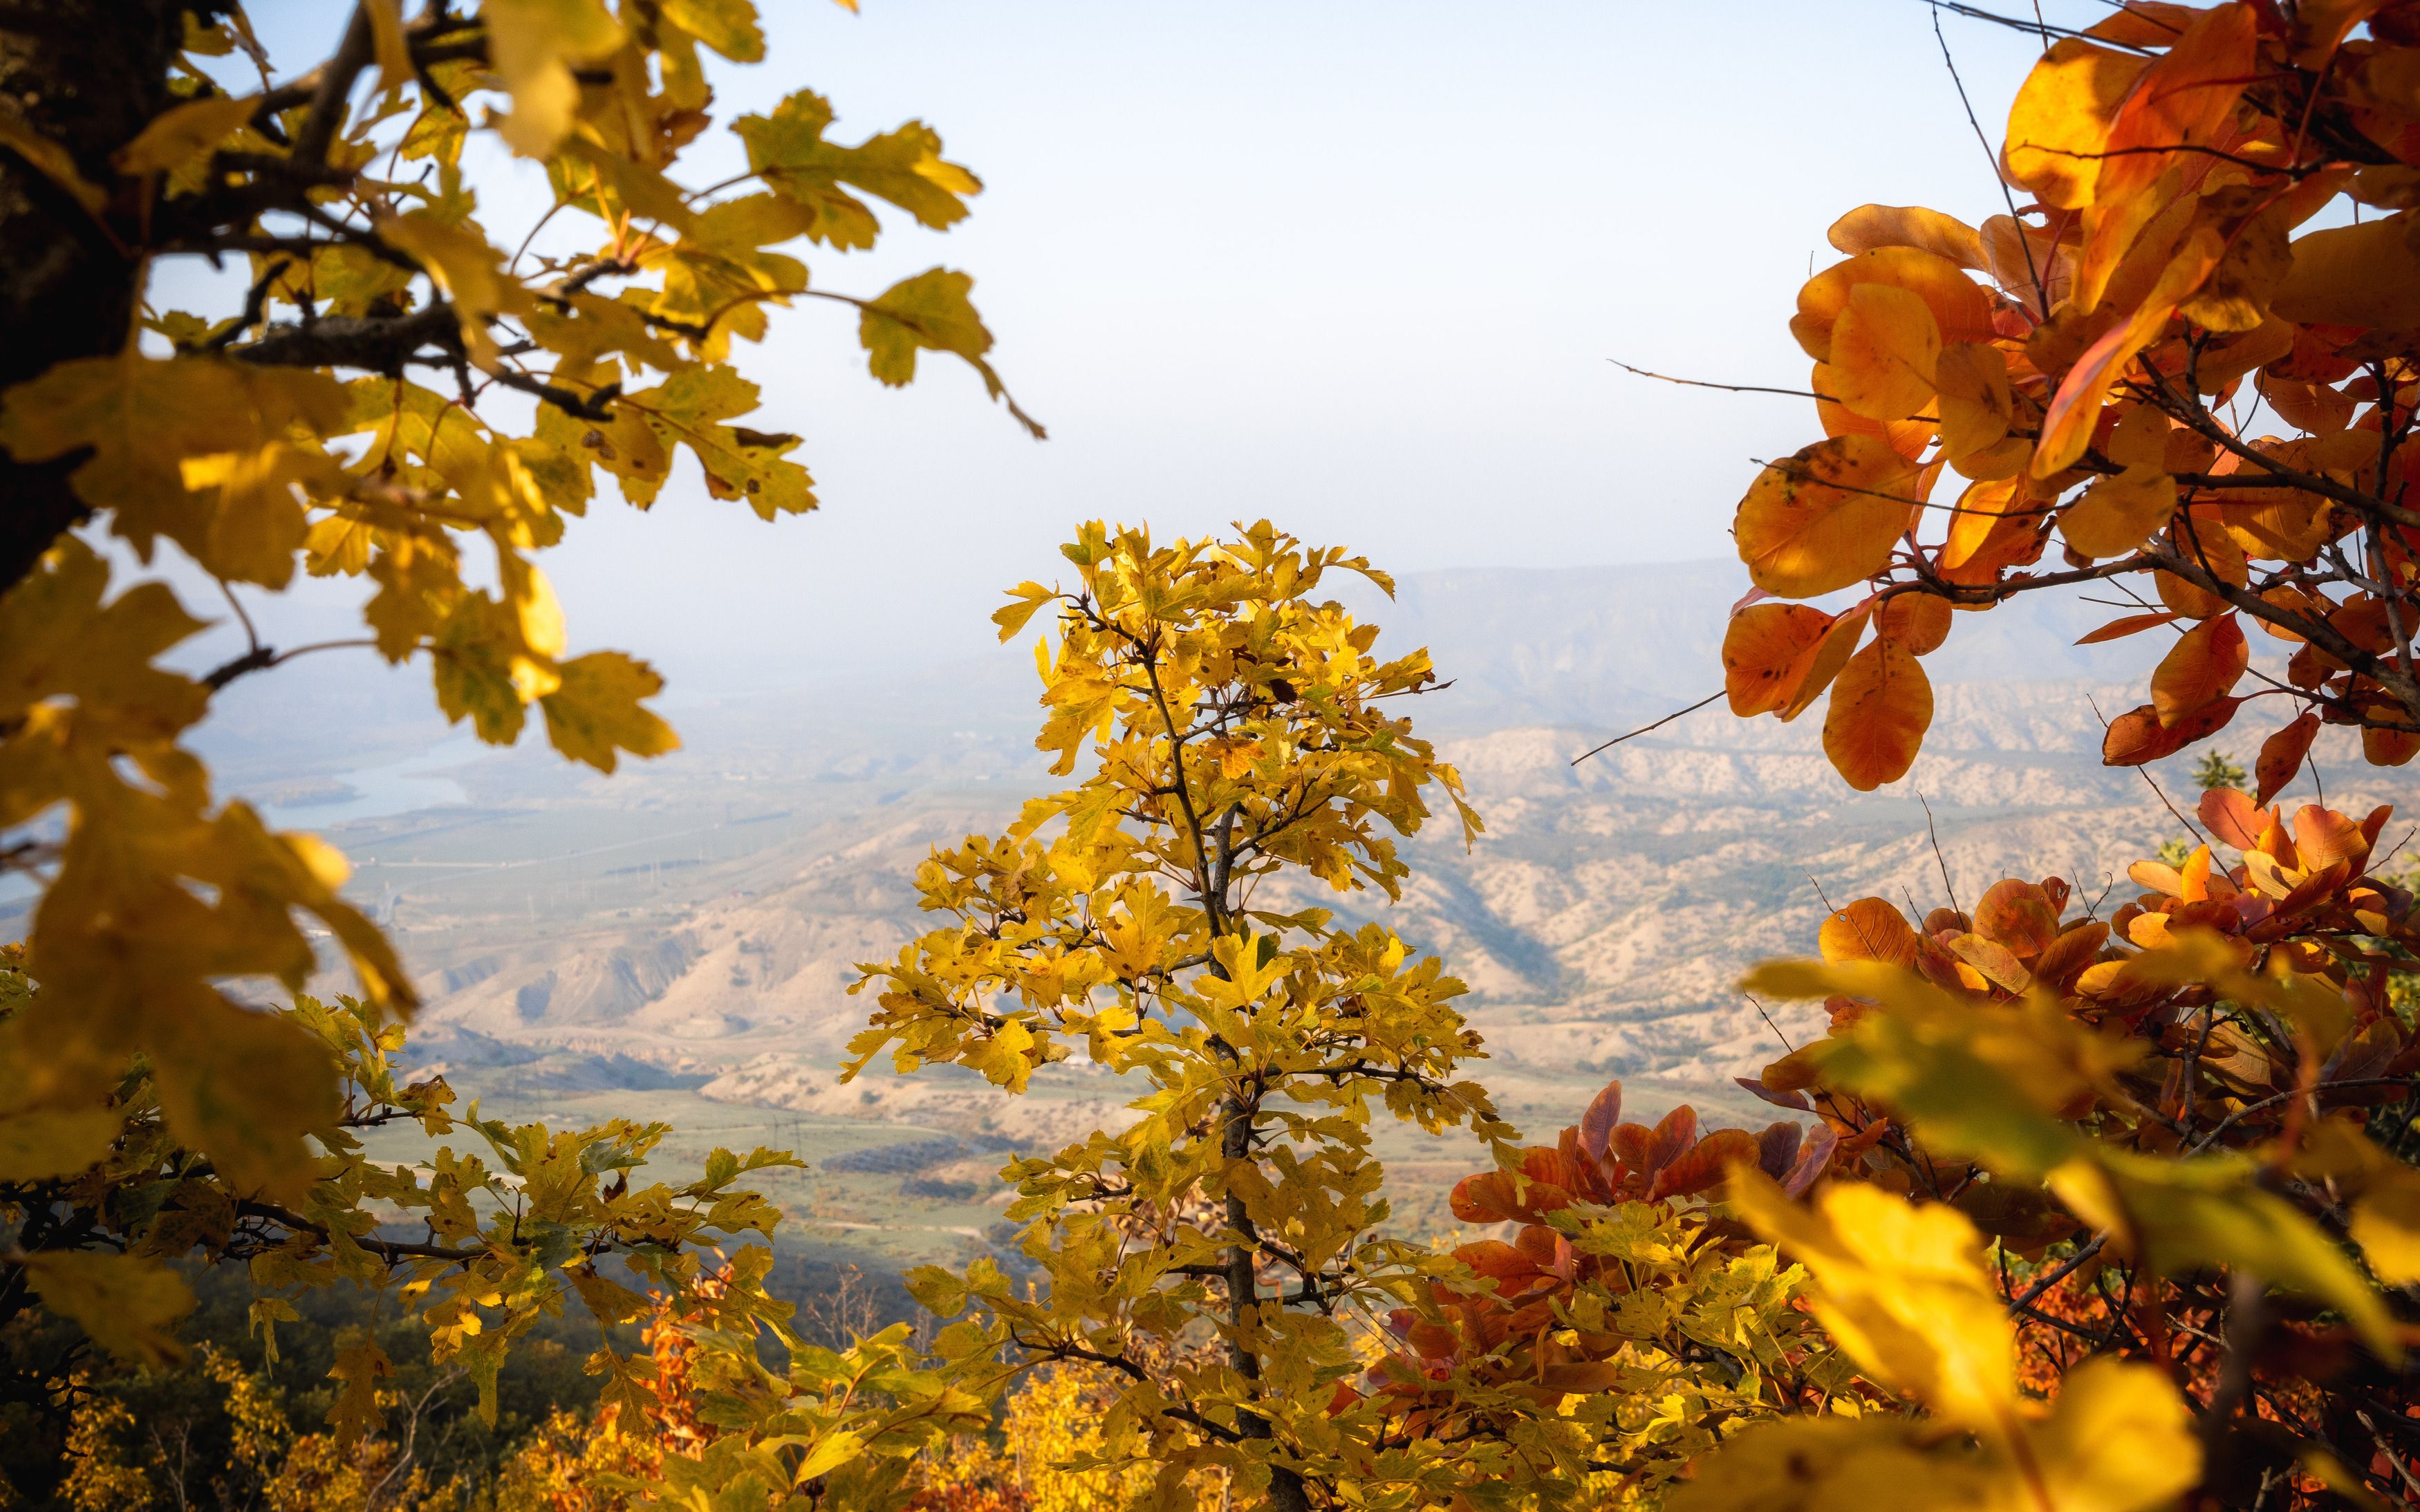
pixel 1643 729
pixel 2041 295
pixel 1939 860
pixel 1731 388
pixel 335 84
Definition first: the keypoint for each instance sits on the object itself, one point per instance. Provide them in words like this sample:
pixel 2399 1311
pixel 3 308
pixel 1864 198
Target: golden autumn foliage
pixel 1222 1253
pixel 415 389
pixel 2098 370
pixel 2132 1164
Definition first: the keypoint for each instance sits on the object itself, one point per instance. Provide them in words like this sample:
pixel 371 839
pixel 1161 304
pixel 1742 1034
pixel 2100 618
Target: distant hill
pixel 702 913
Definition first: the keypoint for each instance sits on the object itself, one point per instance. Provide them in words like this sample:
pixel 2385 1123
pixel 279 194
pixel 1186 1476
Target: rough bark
pixel 87 75
pixel 1286 1490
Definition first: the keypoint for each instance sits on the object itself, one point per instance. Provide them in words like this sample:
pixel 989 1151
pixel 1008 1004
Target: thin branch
pixel 260 658
pixel 2041 295
pixel 2042 1284
pixel 1730 388
pixel 335 84
pixel 256 300
pixel 1643 729
pixel 1939 860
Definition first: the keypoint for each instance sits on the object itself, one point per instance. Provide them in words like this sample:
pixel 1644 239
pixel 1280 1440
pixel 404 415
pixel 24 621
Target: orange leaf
pixel 1825 662
pixel 2067 424
pixel 2355 275
pixel 1674 1133
pixel 1490 1197
pixel 2281 755
pixel 2117 515
pixel 2184 101
pixel 1826 518
pixel 1762 650
pixel 1994 526
pixel 2018 915
pixel 1975 401
pixel 2388 747
pixel 2233 817
pixel 1881 706
pixel 1869 929
pixel 1870 226
pixel 2062 115
pixel 1920 622
pixel 2138 736
pixel 1884 347
pixel 2323 837
pixel 2070 954
pixel 2201 668
pixel 2130 624
pixel 1911 437
pixel 1960 309
pixel 1995 963
pixel 1597 1124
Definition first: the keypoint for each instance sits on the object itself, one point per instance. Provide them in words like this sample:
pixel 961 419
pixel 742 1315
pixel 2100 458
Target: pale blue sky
pixel 1353 266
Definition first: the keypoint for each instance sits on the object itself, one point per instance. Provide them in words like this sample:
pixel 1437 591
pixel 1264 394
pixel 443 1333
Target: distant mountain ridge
pixel 1600 922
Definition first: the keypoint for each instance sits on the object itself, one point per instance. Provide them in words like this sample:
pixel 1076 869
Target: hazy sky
pixel 1356 267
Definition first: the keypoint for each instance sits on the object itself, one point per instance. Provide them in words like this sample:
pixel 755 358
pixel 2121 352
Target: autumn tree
pixel 1220 1256
pixel 2130 1217
pixel 410 386
pixel 2149 366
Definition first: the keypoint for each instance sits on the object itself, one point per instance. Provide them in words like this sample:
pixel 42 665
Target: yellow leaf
pixel 1013 617
pixel 532 45
pixel 1827 518
pixel 1831 1464
pixel 216 1056
pixel 2355 275
pixel 1884 347
pixel 1868 227
pixel 1903 1289
pixel 467 268
pixel 1975 397
pixel 39 1144
pixel 728 26
pixel 830 1452
pixel 143 417
pixel 2387 1226
pixel 2062 116
pixel 2117 515
pixel 596 711
pixel 176 137
pixel 388 46
pixel 2185 1215
pixel 2121 1440
pixel 128 1307
pixel 361 1365
pixel 1976 1080
pixel 50 159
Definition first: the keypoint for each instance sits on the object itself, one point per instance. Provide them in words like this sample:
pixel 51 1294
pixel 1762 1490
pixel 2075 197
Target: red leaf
pixel 2137 737
pixel 2281 755
pixel 1597 1123
pixel 1705 1163
pixel 1780 1100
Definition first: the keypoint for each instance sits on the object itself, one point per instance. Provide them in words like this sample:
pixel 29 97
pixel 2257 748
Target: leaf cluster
pixel 2101 367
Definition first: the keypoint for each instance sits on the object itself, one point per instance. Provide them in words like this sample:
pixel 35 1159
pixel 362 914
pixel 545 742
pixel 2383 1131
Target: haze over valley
pixel 688 928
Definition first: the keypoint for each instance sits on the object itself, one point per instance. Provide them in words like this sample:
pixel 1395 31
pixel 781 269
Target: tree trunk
pixel 87 75
pixel 1286 1492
